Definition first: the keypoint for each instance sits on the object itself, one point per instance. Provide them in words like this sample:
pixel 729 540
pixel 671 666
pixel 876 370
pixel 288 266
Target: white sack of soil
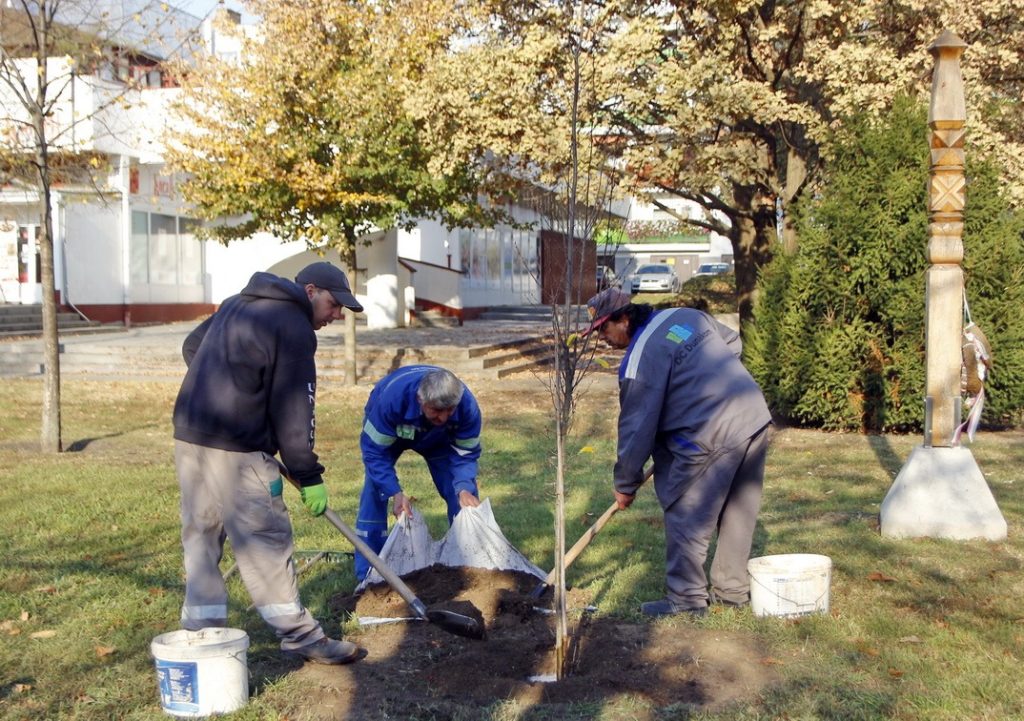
pixel 474 541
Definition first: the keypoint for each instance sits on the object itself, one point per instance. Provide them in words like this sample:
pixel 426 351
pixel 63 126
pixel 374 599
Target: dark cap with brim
pixel 332 279
pixel 603 306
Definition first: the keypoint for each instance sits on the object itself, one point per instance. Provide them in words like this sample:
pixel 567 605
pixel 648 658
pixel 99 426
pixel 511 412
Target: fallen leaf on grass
pixel 911 639
pixel 43 634
pixel 21 687
pixel 45 589
pixel 587 449
pixel 895 673
pixel 880 577
pixel 102 651
pixel 867 650
pixel 25 616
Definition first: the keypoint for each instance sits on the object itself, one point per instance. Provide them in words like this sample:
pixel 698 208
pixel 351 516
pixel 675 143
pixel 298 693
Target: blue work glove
pixel 315 498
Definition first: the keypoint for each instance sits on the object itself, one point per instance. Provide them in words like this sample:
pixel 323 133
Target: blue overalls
pixel 394 423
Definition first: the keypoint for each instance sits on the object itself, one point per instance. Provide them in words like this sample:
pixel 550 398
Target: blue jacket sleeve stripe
pixel 467 443
pixel 381 439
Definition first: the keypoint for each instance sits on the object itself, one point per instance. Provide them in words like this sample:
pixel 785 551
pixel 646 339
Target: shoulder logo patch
pixel 679 333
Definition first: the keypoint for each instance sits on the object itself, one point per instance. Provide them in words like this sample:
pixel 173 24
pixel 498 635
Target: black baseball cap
pixel 332 279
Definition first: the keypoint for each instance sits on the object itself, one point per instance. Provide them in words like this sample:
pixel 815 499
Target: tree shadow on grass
pixel 83 443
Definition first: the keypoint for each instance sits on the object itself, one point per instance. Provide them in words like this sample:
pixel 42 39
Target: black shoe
pixel 716 600
pixel 329 651
pixel 665 607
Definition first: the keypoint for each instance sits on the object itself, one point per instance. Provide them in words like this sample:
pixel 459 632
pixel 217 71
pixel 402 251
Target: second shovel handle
pixel 589 534
pixel 585 540
pixel 369 554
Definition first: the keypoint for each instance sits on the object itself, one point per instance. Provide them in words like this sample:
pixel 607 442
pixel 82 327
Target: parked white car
pixel 655 278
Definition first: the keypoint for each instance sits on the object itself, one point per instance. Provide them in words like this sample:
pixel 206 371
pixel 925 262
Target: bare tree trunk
pixel 753 237
pixel 796 176
pixel 348 259
pixel 561 619
pixel 51 435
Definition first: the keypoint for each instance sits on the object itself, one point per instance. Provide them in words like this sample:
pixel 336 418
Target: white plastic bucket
pixel 789 585
pixel 202 672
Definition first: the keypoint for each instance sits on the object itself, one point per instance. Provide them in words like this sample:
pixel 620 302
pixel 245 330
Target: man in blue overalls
pixel 430 411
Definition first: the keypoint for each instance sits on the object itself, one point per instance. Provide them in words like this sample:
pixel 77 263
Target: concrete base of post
pixel 941 493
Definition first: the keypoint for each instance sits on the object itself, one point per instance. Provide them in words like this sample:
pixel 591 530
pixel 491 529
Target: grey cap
pixel 332 279
pixel 603 305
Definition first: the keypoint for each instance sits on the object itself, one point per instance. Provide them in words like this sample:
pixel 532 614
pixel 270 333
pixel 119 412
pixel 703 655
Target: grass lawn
pixel 91 568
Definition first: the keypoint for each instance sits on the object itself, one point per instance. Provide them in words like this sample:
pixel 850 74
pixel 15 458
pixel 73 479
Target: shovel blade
pixel 457 623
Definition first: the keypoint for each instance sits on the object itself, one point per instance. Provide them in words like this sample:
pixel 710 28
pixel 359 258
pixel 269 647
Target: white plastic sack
pixel 474 541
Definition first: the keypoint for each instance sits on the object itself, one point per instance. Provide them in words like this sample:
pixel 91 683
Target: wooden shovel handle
pixel 589 534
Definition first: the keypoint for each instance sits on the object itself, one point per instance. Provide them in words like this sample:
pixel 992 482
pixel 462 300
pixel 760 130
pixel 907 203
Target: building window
pixel 164 250
pixel 191 252
pixel 138 253
pixel 500 260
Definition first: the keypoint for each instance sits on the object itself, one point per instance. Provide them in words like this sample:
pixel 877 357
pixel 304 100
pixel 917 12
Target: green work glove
pixel 315 498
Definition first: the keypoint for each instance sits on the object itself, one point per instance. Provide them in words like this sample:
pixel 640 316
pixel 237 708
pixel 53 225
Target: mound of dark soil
pixel 416 669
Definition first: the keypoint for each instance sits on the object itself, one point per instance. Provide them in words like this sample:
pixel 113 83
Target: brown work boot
pixel 329 651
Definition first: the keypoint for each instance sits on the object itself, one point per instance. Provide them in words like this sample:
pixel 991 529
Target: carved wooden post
pixel 940 492
pixel 944 279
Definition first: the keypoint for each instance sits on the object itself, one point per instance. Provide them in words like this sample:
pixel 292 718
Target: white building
pixel 125 250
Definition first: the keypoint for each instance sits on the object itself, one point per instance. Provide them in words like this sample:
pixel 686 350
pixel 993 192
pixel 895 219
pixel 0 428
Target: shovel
pixel 584 541
pixel 450 621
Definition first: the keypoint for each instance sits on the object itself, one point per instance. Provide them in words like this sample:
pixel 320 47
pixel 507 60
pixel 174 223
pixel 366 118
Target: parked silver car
pixel 655 278
pixel 712 269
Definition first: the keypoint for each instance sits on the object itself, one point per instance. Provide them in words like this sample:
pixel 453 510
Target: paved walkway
pixel 154 352
pixel 114 353
pixel 172 335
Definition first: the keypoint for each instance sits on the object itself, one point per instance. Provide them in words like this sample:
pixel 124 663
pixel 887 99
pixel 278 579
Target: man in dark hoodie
pixel 249 394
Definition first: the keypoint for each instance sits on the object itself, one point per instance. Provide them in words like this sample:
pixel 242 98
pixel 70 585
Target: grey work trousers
pixel 237 496
pixel 722 493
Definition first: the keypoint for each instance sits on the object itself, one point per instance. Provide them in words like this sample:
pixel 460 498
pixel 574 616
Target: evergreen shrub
pixel 838 340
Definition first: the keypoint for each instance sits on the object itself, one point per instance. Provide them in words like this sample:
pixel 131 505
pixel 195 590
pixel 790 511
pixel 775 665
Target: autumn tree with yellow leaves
pixel 305 135
pixel 731 104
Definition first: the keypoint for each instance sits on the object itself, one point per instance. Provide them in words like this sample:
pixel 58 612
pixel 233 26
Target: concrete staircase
pixel 505 342
pixel 27 320
pixel 486 360
pixel 531 313
pixel 144 355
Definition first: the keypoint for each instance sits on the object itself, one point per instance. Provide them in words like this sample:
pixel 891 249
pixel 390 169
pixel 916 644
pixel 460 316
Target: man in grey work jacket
pixel 249 393
pixel 686 400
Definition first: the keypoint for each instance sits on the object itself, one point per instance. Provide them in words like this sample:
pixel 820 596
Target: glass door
pixel 29 266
